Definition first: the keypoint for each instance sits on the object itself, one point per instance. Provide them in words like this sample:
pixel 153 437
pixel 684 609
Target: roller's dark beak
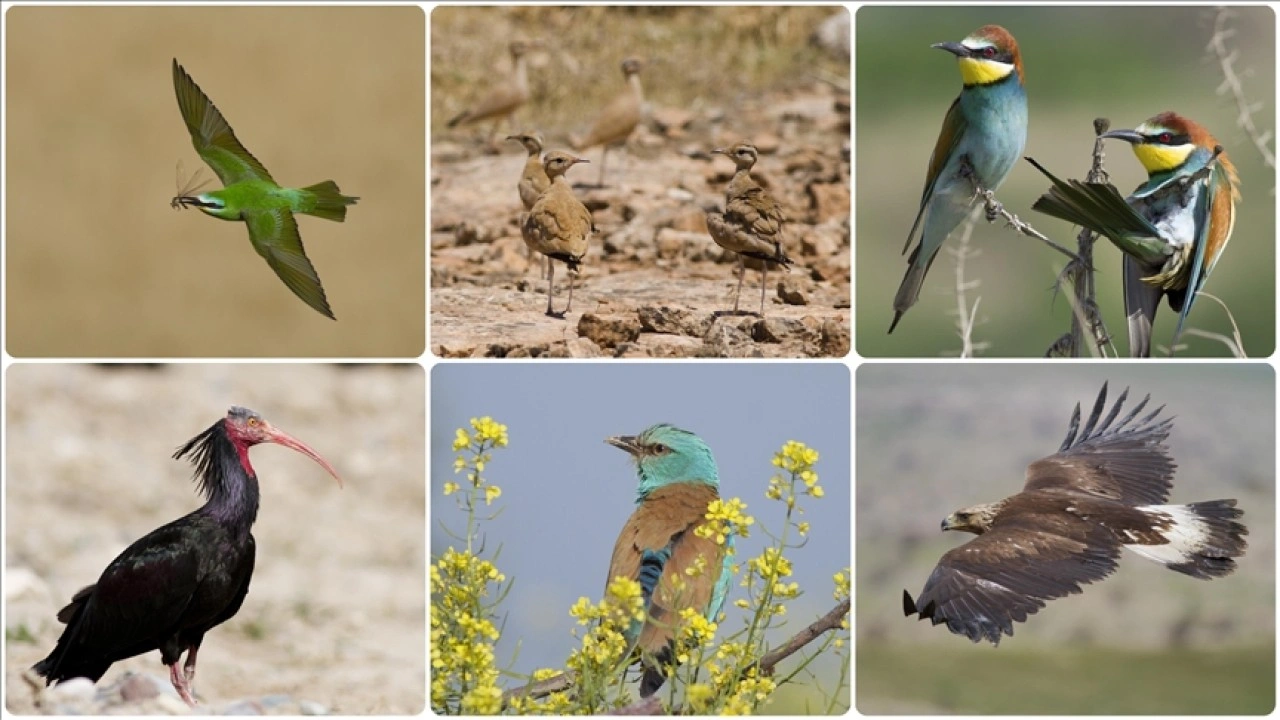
pixel 954 48
pixel 626 442
pixel 1128 136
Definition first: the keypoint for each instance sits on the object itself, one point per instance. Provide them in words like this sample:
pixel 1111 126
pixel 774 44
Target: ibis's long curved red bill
pixel 281 437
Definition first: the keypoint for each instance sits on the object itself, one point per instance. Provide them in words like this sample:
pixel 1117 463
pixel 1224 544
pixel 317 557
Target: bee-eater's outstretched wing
pixel 211 134
pixel 1100 208
pixel 1215 217
pixel 953 129
pixel 274 234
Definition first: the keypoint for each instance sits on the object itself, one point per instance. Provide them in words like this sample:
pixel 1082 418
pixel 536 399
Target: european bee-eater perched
pixel 252 196
pixel 1172 229
pixel 658 547
pixel 982 136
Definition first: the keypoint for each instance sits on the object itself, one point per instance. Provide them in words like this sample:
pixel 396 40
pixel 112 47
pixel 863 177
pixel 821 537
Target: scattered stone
pixel 776 329
pixel 766 142
pixel 678 243
pixel 73 692
pixel 672 120
pixel 692 220
pixel 243 707
pixel 277 700
pixel 308 707
pixel 834 340
pixel 821 241
pixel 136 687
pixel 729 336
pixel 832 35
pixel 22 583
pixel 791 293
pixel 609 331
pixel 657 345
pixel 829 201
pixel 674 321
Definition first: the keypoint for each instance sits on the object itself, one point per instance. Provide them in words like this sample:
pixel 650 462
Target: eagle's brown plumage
pixel 1101 491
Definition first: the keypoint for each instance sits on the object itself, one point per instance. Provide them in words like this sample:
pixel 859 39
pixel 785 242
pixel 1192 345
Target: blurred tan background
pixel 98 263
pixel 696 58
pixel 336 610
pixel 1126 64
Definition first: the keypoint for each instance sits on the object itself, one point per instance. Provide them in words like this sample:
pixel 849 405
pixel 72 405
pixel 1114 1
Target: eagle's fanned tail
pixel 1201 538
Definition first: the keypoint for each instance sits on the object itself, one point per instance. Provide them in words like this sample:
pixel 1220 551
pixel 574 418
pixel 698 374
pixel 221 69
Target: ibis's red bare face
pixel 247 428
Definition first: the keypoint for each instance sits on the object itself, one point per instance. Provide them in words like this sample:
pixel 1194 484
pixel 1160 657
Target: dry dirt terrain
pixel 653 283
pixel 335 617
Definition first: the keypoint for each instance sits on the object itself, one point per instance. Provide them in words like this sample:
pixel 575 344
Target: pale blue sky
pixel 566 494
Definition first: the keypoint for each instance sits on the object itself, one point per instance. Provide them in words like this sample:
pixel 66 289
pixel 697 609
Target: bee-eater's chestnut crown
pixel 987 56
pixel 1164 143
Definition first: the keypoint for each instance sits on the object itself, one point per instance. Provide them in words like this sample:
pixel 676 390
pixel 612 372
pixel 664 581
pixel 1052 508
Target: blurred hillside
pixel 1126 64
pixel 932 439
pixel 695 57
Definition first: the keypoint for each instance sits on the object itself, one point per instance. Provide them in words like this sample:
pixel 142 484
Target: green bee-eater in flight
pixel 252 196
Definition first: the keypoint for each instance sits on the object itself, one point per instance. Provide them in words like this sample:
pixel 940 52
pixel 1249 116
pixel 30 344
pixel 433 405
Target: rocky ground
pixel 653 283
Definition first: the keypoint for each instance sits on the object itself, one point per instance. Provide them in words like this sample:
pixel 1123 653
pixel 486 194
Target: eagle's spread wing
pixel 1125 460
pixel 983 587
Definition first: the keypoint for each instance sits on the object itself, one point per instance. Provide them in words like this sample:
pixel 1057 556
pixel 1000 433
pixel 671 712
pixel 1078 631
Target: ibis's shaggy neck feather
pixel 227 481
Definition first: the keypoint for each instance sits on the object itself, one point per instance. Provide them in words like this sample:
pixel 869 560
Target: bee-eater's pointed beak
pixel 180 202
pixel 1128 136
pixel 626 442
pixel 720 151
pixel 954 48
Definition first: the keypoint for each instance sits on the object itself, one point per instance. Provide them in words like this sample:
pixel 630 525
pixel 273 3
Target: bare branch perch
pixel 966 318
pixel 1080 274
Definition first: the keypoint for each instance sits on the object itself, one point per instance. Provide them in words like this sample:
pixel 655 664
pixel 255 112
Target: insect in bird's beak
pixel 187 188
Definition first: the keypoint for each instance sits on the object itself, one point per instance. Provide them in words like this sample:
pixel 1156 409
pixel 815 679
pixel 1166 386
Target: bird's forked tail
pixel 327 202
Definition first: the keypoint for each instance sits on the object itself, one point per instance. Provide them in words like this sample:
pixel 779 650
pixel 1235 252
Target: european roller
pixel 678 480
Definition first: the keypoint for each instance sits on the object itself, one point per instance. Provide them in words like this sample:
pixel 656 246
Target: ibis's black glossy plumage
pixel 166 590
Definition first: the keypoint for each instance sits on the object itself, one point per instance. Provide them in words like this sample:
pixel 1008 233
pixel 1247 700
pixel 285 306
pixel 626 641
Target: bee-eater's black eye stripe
pixel 1173 141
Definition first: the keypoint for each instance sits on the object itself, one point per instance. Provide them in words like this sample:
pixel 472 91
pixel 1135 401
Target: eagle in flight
pixel 1104 489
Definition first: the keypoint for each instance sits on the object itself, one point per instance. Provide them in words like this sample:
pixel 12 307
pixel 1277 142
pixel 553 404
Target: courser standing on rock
pixel 533 178
pixel 169 588
pixel 558 225
pixel 619 118
pixel 752 222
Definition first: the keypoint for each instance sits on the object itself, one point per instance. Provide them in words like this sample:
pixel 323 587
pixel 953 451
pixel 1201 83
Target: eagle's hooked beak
pixel 949 522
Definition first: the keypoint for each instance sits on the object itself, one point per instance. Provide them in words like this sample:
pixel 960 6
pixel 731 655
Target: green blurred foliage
pixel 933 680
pixel 1126 64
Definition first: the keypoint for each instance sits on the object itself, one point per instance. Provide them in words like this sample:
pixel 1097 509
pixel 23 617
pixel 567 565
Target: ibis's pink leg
pixel 179 681
pixel 189 669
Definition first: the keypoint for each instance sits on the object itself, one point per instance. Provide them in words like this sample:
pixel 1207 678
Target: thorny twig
pixel 1084 305
pixel 995 209
pixel 966 317
pixel 1231 84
